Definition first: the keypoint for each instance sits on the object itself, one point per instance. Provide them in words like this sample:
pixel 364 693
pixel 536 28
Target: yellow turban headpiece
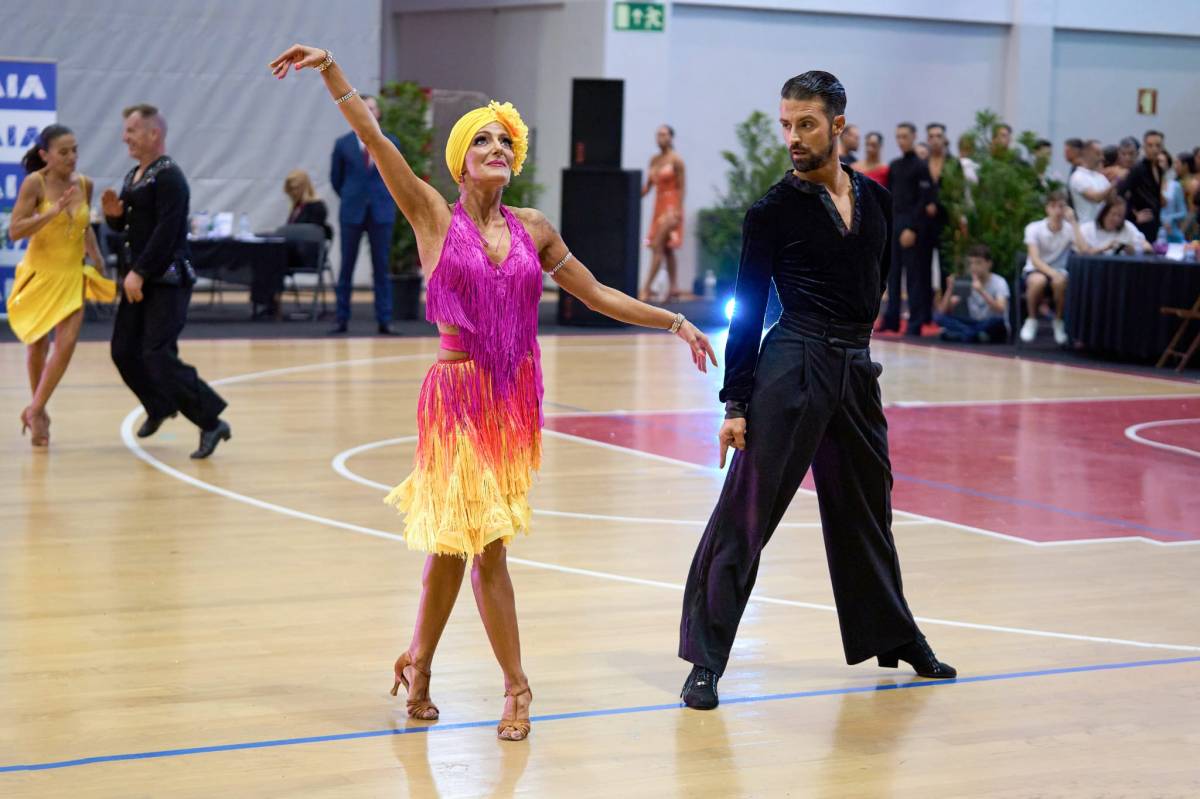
pixel 472 122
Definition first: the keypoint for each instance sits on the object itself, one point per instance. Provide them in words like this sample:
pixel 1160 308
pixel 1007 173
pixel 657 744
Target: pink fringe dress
pixel 479 420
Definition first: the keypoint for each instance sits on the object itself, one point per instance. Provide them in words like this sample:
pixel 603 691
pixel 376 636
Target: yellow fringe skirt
pixel 476 456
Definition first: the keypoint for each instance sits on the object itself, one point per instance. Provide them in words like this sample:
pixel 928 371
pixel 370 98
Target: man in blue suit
pixel 366 208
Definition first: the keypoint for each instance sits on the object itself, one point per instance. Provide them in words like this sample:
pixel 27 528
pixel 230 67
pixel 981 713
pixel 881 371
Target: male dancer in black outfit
pixel 810 397
pixel 156 286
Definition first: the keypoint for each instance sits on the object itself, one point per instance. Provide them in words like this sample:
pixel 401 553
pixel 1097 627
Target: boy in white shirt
pixel 1089 187
pixel 983 314
pixel 1049 243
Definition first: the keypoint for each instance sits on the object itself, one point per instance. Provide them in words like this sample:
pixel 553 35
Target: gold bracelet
pixel 327 63
pixel 345 97
pixel 677 323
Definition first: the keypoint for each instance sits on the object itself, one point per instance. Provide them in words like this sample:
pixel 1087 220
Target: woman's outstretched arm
pixel 421 204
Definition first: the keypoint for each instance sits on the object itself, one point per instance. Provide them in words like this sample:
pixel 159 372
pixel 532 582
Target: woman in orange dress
pixel 52 211
pixel 665 176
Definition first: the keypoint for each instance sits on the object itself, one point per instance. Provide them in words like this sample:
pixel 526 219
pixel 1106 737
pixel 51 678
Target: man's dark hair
pixel 1150 133
pixel 1040 143
pixel 149 113
pixel 910 127
pixel 1002 126
pixel 937 125
pixel 979 251
pixel 1056 196
pixel 1130 141
pixel 1111 152
pixel 816 83
pixel 1076 143
pixel 876 134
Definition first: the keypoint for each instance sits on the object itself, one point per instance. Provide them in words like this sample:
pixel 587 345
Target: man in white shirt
pixel 1049 243
pixel 1089 187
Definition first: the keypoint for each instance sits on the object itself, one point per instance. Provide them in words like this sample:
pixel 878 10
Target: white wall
pixel 1094 71
pixel 234 130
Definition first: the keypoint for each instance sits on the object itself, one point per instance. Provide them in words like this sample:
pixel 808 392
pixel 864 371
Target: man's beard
pixel 812 161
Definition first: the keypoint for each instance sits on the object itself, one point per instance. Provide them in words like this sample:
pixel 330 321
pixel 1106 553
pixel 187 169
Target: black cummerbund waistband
pixel 831 331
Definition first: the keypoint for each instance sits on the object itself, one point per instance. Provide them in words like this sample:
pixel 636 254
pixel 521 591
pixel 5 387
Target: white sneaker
pixel 1029 330
pixel 1060 333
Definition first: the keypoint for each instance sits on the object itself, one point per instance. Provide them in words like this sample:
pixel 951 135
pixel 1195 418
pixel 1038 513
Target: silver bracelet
pixel 560 264
pixel 677 323
pixel 327 63
pixel 345 97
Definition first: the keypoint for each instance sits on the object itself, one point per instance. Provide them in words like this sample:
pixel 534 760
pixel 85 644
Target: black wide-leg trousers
pixel 816 402
pixel 145 349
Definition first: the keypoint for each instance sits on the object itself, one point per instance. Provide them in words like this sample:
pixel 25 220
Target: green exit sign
pixel 639 17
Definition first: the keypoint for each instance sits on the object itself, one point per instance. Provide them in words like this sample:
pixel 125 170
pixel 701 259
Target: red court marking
pixel 1055 471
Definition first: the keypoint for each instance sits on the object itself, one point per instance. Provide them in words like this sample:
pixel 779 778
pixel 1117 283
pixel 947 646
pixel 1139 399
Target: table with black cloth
pixel 1114 302
pixel 258 263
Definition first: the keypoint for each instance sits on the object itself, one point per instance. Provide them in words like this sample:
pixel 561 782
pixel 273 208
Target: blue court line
pixel 584 714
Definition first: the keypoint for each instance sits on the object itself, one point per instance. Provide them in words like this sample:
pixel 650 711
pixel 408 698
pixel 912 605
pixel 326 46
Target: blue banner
pixel 28 103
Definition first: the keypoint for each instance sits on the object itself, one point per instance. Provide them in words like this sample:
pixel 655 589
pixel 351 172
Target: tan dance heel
pixel 418 708
pixel 516 728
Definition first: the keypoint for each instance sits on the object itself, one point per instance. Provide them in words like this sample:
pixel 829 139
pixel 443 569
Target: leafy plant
pixel 405 115
pixel 1008 196
pixel 762 162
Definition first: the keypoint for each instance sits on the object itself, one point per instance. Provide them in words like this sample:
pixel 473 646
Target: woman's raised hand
pixel 298 56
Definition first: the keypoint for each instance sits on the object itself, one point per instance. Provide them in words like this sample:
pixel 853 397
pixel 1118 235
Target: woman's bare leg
pixel 66 336
pixel 655 265
pixel 440 584
pixel 35 361
pixel 498 609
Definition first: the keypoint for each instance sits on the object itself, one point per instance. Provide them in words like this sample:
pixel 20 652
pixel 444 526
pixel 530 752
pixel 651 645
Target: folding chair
pixel 311 250
pixel 1185 315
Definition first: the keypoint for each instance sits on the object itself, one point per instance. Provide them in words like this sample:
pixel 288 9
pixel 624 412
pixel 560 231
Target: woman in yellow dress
pixel 53 212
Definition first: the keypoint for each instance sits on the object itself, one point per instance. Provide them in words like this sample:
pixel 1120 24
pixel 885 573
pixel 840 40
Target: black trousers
pixel 816 402
pixel 145 348
pixel 916 263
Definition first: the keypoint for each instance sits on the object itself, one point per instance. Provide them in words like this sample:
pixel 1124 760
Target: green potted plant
pixel 1008 196
pixel 762 162
pixel 405 109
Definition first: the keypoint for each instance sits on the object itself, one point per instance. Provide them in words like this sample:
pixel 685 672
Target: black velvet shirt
pixel 155 218
pixel 795 236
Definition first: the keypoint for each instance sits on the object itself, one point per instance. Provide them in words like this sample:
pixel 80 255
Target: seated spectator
pixel 1089 187
pixel 1113 234
pixel 974 307
pixel 873 166
pixel 1049 243
pixel 1174 214
pixel 307 207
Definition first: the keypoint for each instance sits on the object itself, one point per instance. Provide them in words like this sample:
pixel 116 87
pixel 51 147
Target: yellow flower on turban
pixel 472 122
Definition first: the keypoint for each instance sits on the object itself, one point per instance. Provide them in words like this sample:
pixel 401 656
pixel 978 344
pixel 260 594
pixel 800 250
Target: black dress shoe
pixel 700 689
pixel 386 330
pixel 210 438
pixel 152 423
pixel 918 655
pixel 342 327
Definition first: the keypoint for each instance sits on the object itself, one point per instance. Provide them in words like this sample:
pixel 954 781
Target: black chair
pixel 308 255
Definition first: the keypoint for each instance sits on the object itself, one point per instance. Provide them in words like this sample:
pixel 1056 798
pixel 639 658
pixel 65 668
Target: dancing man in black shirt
pixel 156 283
pixel 810 397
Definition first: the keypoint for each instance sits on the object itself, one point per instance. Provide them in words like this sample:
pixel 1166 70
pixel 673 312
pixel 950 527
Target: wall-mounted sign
pixel 1148 101
pixel 639 17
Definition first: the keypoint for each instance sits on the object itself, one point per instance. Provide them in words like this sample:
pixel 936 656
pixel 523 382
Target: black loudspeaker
pixel 597 114
pixel 601 224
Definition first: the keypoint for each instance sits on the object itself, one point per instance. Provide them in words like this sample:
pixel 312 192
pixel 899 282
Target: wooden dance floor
pixel 227 628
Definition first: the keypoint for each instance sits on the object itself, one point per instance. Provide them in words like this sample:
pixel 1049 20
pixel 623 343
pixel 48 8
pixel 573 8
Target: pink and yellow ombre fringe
pixel 470 483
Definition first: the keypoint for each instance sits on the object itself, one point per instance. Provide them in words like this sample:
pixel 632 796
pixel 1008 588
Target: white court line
pixel 131 443
pixel 339 465
pixel 1032 401
pixel 1132 431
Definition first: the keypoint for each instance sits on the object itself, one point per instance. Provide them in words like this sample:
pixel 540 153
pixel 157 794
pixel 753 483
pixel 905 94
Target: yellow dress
pixel 51 279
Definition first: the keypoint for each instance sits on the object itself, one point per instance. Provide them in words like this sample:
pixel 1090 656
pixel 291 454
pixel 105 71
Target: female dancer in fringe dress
pixel 52 211
pixel 479 414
